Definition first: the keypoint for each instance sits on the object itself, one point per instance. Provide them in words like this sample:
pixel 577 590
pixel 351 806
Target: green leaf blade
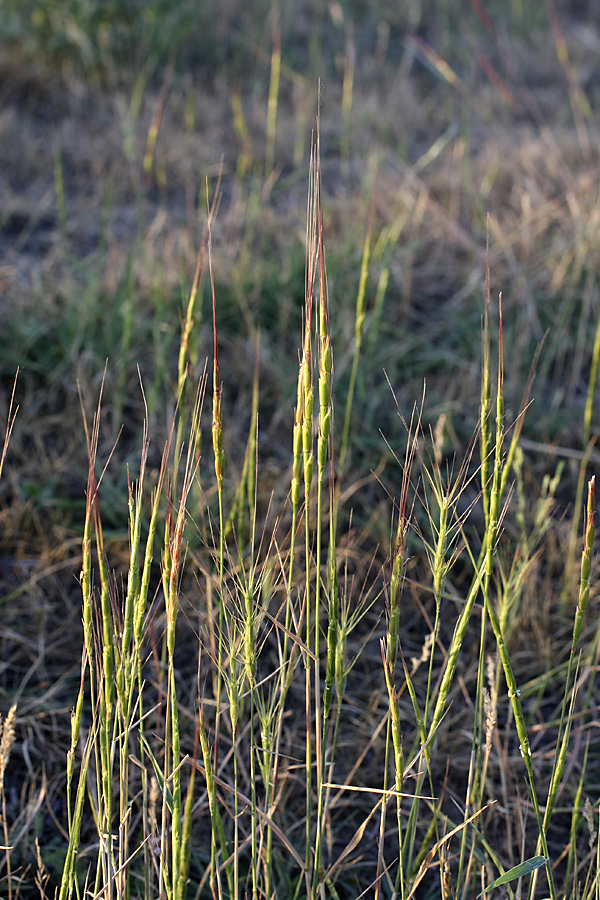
pixel 524 868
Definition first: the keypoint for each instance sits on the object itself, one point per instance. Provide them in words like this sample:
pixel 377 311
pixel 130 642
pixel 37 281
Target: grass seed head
pixel 7 739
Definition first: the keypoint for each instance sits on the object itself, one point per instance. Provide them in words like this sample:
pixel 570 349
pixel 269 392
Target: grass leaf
pixel 524 868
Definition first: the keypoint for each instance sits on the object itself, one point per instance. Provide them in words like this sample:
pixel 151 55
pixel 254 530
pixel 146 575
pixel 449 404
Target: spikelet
pixel 7 739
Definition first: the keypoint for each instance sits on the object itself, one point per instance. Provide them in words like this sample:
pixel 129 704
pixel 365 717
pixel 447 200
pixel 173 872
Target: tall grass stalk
pixel 324 441
pixel 307 400
pixel 219 468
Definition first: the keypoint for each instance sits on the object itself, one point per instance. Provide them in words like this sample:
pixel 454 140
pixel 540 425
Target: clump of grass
pixel 270 777
pixel 266 759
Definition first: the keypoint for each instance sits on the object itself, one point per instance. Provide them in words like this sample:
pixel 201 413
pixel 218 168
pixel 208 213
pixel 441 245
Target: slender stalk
pixel 485 401
pixel 249 658
pixel 308 465
pixel 69 873
pixel 219 464
pixel 172 608
pixel 323 445
pixel 234 719
pixel 307 454
pixel 106 687
pixel 394 712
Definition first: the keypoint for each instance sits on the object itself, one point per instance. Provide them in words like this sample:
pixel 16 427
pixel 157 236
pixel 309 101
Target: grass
pixel 330 634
